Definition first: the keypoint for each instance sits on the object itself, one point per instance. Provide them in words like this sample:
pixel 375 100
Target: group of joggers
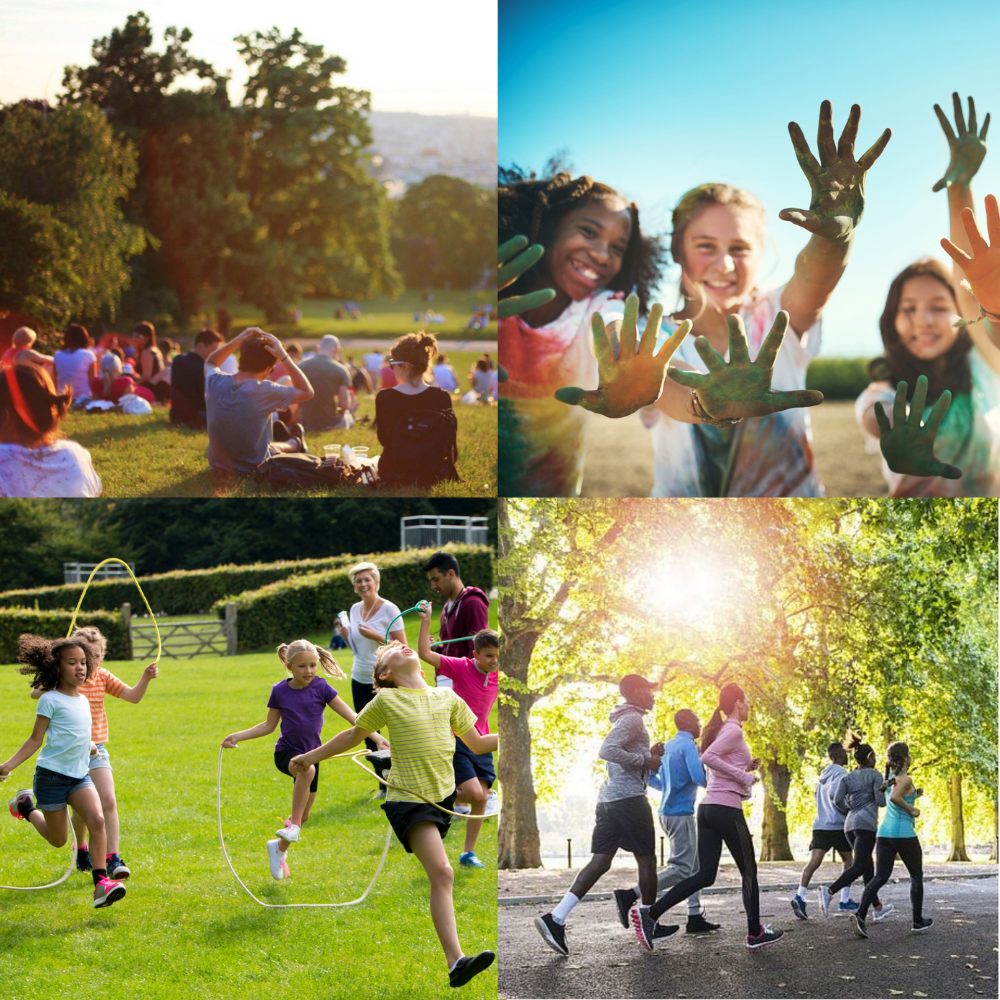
pixel 847 804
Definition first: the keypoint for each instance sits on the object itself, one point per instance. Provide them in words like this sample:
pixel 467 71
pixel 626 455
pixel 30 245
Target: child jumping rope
pixel 63 721
pixel 420 720
pixel 476 681
pixel 298 703
pixel 94 689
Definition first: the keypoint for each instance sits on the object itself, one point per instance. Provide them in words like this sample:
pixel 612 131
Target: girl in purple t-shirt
pixel 298 702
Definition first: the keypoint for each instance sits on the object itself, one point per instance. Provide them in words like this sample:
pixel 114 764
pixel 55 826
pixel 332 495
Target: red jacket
pixel 470 613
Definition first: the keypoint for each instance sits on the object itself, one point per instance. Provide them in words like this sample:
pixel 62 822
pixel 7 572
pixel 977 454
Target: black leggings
pixel 862 846
pixel 361 694
pixel 718 825
pixel 886 849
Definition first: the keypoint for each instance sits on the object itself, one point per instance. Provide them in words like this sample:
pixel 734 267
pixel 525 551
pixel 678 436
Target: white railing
pixel 78 572
pixel 422 531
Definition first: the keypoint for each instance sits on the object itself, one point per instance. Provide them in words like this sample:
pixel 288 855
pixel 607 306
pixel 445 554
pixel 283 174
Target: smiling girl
pixel 298 703
pixel 920 337
pixel 62 778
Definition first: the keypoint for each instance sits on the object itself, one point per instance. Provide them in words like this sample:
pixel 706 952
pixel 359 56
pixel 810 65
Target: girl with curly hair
pixel 63 723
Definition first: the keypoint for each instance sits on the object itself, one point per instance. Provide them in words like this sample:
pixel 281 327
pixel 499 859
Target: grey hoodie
pixel 858 795
pixel 827 817
pixel 625 749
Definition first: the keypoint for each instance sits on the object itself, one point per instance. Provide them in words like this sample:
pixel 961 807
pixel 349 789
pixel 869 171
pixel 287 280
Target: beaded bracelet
pixel 983 312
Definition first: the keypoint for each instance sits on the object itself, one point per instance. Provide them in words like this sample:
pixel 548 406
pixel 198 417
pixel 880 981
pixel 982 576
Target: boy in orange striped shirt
pixel 100 683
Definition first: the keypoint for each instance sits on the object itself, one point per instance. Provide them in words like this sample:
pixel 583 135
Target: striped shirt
pixel 420 723
pixel 93 690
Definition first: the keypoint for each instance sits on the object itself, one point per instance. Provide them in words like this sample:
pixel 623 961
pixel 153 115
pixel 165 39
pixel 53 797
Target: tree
pixel 66 245
pixel 443 232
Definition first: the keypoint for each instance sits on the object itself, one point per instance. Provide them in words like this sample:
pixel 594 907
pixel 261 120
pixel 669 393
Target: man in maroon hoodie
pixel 465 611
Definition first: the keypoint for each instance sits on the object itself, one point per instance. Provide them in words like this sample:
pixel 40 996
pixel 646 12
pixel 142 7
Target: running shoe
pixel 492 803
pixel 117 869
pixel 83 862
pixel 764 937
pixel 849 907
pixel 644 926
pixel 553 934
pixel 858 926
pixel 106 892
pixel 919 926
pixel 299 434
pixel 625 899
pixel 468 966
pixel 824 900
pixel 463 808
pixel 468 859
pixel 665 930
pixel 23 796
pixel 290 832
pixel 882 912
pixel 276 859
pixel 697 924
pixel 799 908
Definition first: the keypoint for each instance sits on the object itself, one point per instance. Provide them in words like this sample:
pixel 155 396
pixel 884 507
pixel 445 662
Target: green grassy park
pixel 186 928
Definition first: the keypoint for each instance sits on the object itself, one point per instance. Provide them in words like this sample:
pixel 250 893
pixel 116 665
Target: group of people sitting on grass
pixel 253 409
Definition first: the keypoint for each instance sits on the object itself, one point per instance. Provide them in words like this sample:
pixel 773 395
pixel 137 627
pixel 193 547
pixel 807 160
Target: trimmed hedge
pixel 181 592
pixel 14 622
pixel 838 378
pixel 303 605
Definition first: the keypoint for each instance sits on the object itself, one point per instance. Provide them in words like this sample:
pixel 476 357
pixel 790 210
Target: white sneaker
pixel 879 915
pixel 290 832
pixel 276 858
pixel 492 803
pixel 463 807
pixel 824 900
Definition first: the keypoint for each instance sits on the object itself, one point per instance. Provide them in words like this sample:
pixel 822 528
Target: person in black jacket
pixel 187 381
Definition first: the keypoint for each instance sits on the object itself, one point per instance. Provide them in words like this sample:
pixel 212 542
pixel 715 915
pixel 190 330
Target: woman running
pixel 726 757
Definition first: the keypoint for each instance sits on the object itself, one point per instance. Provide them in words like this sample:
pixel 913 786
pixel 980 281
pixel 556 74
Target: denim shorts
pixel 101 759
pixel 52 789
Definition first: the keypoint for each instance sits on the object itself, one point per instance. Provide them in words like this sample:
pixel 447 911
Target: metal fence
pixel 74 572
pixel 432 531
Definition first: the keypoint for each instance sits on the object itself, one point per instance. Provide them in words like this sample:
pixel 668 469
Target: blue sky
pixel 657 97
pixel 436 57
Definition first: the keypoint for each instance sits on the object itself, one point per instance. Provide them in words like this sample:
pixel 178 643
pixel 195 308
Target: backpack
pixel 423 449
pixel 292 472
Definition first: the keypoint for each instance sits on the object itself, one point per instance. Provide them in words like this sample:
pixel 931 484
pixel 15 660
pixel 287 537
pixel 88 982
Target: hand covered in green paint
pixel 967 148
pixel 982 270
pixel 908 447
pixel 742 388
pixel 837 179
pixel 513 263
pixel 628 380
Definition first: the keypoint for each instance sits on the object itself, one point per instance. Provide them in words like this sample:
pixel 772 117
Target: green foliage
pixel 301 605
pixel 838 378
pixel 14 622
pixel 66 243
pixel 444 232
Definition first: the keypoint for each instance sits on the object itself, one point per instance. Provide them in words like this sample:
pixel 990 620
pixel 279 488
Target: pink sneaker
pixel 24 793
pixel 107 891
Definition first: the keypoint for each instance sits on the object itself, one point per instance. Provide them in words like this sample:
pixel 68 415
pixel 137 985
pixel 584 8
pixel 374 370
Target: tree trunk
pixel 519 845
pixel 957 852
pixel 774 834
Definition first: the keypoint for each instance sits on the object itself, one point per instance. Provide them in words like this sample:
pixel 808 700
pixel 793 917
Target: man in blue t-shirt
pixel 678 778
pixel 239 407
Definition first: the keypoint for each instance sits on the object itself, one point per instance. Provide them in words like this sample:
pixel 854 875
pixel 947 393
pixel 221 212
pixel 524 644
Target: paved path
pixel 816 958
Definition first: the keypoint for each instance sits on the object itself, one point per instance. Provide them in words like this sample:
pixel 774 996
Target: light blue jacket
pixel 680 774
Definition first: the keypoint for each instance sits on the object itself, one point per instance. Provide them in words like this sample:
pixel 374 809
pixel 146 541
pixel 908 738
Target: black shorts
pixel 403 815
pixel 281 759
pixel 830 840
pixel 625 824
pixel 472 765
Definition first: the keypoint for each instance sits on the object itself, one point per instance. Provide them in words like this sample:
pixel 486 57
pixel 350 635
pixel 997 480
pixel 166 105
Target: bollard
pixel 569 852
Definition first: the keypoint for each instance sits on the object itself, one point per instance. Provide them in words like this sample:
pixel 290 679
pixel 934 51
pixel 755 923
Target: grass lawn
pixel 150 457
pixel 186 928
pixel 380 317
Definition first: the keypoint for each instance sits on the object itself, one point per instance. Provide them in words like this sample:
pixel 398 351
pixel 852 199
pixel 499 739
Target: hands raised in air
pixel 982 269
pixel 967 148
pixel 627 380
pixel 741 388
pixel 837 179
pixel 512 264
pixel 908 447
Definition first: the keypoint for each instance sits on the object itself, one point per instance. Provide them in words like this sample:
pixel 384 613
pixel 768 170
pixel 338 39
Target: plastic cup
pixel 361 451
pixel 331 450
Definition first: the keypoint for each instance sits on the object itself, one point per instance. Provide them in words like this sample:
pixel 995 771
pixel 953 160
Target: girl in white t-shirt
pixel 34 461
pixel 75 365
pixel 369 619
pixel 959 453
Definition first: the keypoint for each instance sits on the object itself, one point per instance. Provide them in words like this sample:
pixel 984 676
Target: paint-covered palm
pixel 742 388
pixel 982 269
pixel 837 179
pixel 907 446
pixel 627 379
pixel 512 263
pixel 967 149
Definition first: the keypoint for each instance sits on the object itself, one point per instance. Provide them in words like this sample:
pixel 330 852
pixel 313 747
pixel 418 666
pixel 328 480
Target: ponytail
pixel 863 752
pixel 895 758
pixel 711 730
pixel 728 697
pixel 288 651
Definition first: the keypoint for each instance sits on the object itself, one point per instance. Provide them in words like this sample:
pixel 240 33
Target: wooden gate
pixel 182 640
